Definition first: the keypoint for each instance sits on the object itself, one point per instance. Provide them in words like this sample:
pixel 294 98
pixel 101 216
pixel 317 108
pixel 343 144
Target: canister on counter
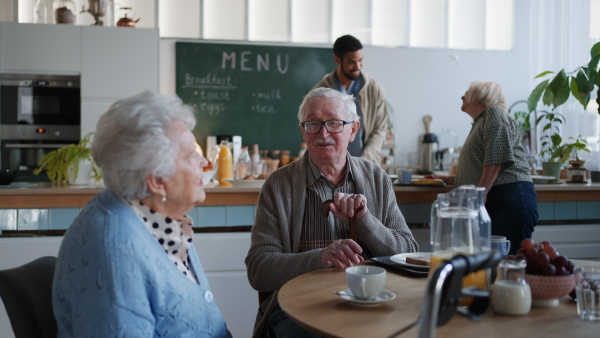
pixel 285 158
pixel 404 176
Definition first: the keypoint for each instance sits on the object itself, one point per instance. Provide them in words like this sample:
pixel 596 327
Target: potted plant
pixel 580 83
pixel 67 163
pixel 553 152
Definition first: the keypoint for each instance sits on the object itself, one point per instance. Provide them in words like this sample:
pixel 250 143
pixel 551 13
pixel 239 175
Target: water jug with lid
pixel 456 232
pixel 429 146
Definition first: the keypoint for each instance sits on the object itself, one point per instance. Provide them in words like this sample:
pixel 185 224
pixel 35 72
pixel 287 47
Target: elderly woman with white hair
pixel 493 157
pixel 127 266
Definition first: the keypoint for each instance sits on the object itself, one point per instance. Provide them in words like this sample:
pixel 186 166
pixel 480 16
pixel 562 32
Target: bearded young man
pixel 371 104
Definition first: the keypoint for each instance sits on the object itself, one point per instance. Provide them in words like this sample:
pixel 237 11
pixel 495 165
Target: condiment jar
pixel 285 158
pixel 511 294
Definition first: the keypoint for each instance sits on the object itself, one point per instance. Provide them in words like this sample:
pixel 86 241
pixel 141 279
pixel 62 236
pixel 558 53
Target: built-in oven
pixel 38 114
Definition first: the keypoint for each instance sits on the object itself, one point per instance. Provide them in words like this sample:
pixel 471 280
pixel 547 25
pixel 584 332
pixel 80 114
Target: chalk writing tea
pixel 264 109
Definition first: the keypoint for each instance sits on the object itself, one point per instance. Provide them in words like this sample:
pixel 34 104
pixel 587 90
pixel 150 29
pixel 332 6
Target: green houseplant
pixel 59 162
pixel 553 151
pixel 581 83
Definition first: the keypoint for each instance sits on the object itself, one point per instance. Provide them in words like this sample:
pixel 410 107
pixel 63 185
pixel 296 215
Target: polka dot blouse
pixel 175 236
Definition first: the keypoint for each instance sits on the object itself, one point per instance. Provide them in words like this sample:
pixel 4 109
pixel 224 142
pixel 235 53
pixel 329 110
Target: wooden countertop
pixel 47 195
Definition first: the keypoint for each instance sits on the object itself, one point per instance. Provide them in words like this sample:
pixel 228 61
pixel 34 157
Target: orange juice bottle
pixel 225 169
pixel 477 279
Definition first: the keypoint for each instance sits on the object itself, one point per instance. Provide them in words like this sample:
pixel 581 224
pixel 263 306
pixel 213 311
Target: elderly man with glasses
pixel 328 209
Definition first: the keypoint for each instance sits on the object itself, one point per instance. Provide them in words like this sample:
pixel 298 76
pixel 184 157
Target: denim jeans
pixel 284 327
pixel 513 210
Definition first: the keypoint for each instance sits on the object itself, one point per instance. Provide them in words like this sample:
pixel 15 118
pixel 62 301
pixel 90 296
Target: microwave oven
pixel 40 99
pixel 38 114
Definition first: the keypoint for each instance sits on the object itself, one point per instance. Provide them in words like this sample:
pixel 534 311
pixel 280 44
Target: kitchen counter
pixel 48 195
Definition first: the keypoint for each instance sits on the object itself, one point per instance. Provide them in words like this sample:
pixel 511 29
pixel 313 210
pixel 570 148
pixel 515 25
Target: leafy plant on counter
pixel 552 149
pixel 57 162
pixel 580 83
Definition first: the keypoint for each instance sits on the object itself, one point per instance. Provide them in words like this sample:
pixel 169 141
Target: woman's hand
pixel 341 254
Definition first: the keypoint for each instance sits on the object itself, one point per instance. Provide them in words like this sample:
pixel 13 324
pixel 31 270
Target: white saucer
pixel 384 296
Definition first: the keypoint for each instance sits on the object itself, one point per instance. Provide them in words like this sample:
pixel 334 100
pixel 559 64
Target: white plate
pixel 246 183
pixel 401 259
pixel 542 179
pixel 384 296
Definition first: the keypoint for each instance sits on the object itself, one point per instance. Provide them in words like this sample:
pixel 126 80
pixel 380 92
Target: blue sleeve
pixel 106 293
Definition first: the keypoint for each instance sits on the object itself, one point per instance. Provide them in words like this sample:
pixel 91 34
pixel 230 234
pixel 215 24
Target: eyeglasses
pixel 332 126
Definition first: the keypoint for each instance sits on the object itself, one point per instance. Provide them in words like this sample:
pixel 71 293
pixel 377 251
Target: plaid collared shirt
pixel 318 231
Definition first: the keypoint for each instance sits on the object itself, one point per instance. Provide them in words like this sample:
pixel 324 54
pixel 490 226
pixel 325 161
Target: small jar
pixel 285 157
pixel 65 12
pixel 511 294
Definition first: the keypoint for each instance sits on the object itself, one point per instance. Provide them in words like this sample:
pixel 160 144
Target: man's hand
pixel 341 254
pixel 344 205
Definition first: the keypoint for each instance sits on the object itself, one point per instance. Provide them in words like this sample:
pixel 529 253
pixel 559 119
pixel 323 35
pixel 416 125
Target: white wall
pixel 421 81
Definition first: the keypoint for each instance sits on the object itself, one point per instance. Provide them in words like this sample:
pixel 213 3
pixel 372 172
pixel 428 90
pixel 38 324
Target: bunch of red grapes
pixel 543 259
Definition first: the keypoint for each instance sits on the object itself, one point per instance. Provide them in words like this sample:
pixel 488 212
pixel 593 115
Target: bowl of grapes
pixel 549 275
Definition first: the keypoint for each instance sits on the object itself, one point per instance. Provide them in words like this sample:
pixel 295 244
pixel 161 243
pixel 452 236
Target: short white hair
pixel 315 94
pixel 486 93
pixel 131 142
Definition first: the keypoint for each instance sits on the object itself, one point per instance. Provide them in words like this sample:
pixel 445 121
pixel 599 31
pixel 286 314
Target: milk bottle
pixel 511 294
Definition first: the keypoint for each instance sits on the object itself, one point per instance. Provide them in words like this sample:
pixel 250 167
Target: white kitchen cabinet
pixel 41 49
pixel 91 110
pixel 118 62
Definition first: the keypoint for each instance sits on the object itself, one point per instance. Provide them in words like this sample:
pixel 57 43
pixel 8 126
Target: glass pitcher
pixel 456 232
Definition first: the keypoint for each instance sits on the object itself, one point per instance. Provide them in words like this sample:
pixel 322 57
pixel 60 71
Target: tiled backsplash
pixel 61 218
pixel 243 215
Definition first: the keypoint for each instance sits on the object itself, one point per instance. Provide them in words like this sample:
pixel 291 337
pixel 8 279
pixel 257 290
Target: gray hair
pixel 131 142
pixel 486 93
pixel 315 94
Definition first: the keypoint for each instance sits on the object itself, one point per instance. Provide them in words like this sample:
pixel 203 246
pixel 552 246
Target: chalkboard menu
pixel 249 90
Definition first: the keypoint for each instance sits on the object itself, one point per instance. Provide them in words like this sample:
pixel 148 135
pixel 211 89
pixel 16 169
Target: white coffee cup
pixel 365 281
pixel 501 244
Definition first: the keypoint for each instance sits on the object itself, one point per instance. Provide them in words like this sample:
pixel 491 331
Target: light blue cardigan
pixel 113 279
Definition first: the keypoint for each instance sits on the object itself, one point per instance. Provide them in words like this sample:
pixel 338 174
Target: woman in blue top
pixel 127 266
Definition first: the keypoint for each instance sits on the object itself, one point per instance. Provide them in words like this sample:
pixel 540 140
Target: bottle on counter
pixel 244 164
pixel 40 12
pixel 225 168
pixel 255 158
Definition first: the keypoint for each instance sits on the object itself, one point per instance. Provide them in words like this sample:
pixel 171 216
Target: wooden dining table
pixel 309 301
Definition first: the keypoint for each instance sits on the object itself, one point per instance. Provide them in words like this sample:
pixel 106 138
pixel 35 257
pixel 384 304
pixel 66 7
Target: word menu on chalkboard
pixel 249 90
